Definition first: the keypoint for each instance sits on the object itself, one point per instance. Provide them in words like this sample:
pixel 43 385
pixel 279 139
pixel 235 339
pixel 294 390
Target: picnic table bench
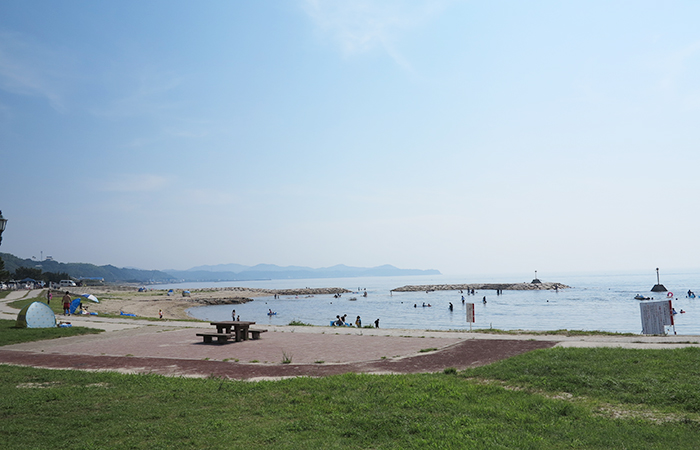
pixel 221 338
pixel 255 334
pixel 237 330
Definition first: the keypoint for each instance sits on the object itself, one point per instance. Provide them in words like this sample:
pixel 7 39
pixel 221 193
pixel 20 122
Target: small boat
pixel 640 297
pixel 353 299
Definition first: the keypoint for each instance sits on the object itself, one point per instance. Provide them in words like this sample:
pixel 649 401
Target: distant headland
pixel 92 274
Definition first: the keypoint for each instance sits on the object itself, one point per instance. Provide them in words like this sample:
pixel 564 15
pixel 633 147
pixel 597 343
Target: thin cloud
pixel 209 197
pixel 149 94
pixel 362 26
pixel 135 183
pixel 676 64
pixel 30 68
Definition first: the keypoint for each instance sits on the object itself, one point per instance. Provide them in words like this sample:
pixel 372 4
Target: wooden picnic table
pixel 240 328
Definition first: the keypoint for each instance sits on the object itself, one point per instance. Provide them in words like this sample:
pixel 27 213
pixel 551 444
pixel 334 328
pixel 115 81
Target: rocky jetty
pixel 226 295
pixel 483 287
pixel 219 300
pixel 309 291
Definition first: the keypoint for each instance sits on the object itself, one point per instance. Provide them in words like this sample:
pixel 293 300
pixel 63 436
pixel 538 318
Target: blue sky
pixel 467 136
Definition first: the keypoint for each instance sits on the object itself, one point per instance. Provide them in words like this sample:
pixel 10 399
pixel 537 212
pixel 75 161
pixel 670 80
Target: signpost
pixel 656 316
pixel 470 315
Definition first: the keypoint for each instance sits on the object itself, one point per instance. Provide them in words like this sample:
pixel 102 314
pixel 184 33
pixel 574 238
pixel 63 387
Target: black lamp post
pixel 3 223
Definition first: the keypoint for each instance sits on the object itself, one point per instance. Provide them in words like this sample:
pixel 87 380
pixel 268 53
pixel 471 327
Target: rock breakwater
pixel 483 287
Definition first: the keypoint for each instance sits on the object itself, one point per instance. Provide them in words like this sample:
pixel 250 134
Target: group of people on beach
pixel 340 322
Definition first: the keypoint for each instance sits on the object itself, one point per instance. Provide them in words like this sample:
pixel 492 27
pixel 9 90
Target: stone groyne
pixel 222 296
pixel 483 287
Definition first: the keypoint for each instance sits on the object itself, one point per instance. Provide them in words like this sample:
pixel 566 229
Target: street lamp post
pixel 3 223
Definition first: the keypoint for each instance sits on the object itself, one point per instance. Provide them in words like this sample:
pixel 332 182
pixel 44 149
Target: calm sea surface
pixel 595 302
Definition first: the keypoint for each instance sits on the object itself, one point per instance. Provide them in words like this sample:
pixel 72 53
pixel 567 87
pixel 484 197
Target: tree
pixel 27 272
pixel 4 274
pixel 55 277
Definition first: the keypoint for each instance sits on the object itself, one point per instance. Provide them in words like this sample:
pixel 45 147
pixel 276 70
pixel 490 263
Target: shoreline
pixel 149 303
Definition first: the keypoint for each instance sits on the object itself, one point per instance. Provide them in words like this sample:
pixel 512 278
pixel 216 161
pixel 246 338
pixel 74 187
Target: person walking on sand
pixel 66 304
pixel 160 313
pixel 376 323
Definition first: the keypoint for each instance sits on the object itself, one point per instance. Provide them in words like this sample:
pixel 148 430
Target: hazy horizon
pixel 461 136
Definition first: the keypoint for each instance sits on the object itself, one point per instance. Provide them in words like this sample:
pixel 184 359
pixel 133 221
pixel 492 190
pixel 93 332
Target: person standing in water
pixel 358 322
pixel 233 315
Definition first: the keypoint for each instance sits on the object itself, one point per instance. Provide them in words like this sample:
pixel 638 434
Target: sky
pixel 471 137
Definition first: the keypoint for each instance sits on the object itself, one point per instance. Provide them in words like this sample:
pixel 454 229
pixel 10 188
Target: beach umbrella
pixel 74 305
pixel 91 297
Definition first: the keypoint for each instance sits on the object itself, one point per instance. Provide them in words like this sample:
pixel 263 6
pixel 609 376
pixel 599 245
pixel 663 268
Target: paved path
pixel 171 348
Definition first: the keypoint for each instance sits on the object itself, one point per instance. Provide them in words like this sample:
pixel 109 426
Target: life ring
pixel 669 295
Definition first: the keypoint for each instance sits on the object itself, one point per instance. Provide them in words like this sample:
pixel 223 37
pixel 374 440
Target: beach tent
pixel 36 315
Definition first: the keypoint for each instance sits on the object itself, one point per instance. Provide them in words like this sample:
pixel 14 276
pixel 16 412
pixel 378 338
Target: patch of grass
pixel 426 350
pixel 11 335
pixel 286 357
pixel 344 411
pixel 56 305
pixel 298 323
pixel 561 332
pixel 664 378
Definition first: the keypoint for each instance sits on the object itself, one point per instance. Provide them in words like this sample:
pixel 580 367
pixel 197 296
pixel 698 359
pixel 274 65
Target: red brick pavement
pixel 180 353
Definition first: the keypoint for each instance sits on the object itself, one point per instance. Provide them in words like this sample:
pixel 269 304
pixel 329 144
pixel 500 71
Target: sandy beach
pixel 128 299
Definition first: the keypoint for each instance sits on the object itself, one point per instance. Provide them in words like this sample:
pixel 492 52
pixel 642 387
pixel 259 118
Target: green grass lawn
pixel 547 399
pixel 56 304
pixel 11 335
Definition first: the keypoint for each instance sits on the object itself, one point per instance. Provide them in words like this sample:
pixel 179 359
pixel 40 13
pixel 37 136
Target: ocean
pixel 603 302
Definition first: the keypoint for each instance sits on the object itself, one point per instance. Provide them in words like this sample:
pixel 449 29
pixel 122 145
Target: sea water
pixel 594 302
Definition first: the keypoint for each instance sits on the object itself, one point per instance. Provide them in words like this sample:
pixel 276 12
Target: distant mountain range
pixel 231 272
pixel 221 272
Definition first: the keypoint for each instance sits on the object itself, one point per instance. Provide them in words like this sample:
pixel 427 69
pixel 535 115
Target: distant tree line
pixel 30 272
